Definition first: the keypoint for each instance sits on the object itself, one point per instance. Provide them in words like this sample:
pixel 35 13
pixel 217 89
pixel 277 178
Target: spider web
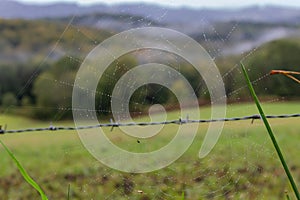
pixel 242 164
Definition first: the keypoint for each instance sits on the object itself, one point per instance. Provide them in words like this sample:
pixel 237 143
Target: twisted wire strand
pixel 178 122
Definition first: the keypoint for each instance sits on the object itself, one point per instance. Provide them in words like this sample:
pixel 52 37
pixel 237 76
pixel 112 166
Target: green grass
pixel 271 134
pixel 243 164
pixel 26 176
pixel 68 195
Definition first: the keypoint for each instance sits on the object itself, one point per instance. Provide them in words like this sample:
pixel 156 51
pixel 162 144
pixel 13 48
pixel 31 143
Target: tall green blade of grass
pixel 24 173
pixel 269 129
pixel 287 196
pixel 69 188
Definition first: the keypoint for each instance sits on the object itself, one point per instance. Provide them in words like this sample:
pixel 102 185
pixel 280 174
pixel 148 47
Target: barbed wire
pixel 178 122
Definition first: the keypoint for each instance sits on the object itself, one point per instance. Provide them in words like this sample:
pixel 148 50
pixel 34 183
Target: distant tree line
pixel 279 54
pixel 47 89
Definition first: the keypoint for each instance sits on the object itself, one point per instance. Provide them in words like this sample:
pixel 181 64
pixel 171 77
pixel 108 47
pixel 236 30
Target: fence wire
pixel 178 122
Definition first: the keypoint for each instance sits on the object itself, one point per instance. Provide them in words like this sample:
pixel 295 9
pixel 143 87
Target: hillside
pixel 219 38
pixel 25 41
pixel 107 21
pixel 35 55
pixel 170 15
pixel 30 47
pixel 221 31
pixel 280 54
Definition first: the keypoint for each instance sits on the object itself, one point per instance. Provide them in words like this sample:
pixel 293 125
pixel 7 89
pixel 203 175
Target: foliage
pixel 23 41
pixel 25 175
pixel 16 79
pixel 149 94
pixel 281 54
pixel 53 88
pixel 9 99
pixel 26 101
pixel 24 45
pixel 107 82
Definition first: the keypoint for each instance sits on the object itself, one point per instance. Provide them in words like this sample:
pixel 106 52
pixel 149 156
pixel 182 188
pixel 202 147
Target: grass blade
pixel 69 188
pixel 287 196
pixel 24 173
pixel 269 129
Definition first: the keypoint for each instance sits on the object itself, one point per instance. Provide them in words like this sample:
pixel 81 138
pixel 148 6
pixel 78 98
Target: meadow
pixel 243 164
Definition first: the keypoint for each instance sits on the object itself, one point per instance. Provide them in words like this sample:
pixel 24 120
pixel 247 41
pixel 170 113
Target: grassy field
pixel 243 164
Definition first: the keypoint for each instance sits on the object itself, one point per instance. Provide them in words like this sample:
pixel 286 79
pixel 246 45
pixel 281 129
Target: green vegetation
pixel 94 17
pixel 27 80
pixel 243 164
pixel 9 99
pixel 279 54
pixel 24 46
pixel 53 88
pixel 25 41
pixel 26 176
pixel 271 134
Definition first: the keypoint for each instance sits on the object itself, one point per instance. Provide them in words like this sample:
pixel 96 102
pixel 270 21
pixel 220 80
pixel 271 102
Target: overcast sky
pixel 190 3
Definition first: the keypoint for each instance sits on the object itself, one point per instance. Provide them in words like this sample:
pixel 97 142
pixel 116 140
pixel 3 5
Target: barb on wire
pixel 178 122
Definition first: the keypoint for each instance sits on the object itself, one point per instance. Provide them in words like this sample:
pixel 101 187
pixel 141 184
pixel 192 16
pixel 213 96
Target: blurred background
pixel 45 40
pixel 43 43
